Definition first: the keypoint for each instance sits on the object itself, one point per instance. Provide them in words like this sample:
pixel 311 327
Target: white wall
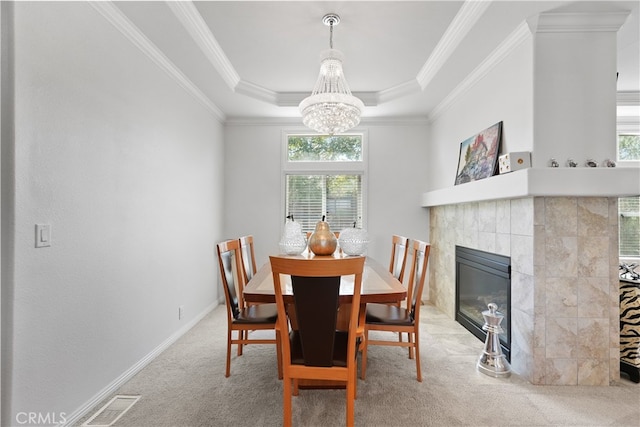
pixel 575 90
pixel 126 167
pixel 504 94
pixel 396 170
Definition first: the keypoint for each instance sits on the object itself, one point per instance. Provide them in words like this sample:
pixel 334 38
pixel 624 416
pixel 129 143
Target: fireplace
pixel 483 278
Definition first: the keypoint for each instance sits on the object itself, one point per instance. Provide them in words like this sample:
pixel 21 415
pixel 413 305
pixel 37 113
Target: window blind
pixel 629 226
pixel 337 197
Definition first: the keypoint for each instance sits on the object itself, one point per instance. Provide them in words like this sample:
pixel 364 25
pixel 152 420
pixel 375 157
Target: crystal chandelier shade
pixel 331 108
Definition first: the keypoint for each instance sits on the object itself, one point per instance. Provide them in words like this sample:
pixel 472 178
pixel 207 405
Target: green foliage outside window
pixel 337 195
pixel 322 148
pixel 629 207
pixel 629 147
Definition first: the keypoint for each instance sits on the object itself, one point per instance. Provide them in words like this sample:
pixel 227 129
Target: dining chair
pixel 239 318
pixel 390 318
pixel 399 251
pixel 398 262
pixel 248 257
pixel 315 350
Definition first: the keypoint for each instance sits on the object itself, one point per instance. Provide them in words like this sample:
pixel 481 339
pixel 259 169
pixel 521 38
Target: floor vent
pixel 112 411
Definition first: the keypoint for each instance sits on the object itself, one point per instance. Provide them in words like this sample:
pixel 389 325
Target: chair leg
pixel 418 367
pixel 365 346
pixel 228 371
pixel 286 402
pixel 351 393
pixel 411 348
pixel 355 380
pixel 241 336
pixel 279 353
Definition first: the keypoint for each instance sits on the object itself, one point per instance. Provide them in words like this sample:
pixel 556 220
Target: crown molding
pixel 195 25
pixel 513 41
pixel 574 22
pixel 399 91
pixel 291 99
pixel 258 92
pixel 295 121
pixel 465 19
pixel 115 16
pixel 462 23
pixel 193 22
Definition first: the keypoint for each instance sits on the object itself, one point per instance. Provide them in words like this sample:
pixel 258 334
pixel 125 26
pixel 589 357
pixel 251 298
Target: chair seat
pixel 259 313
pixel 384 314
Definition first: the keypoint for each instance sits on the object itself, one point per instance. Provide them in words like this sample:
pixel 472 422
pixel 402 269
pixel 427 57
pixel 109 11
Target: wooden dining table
pixel 378 285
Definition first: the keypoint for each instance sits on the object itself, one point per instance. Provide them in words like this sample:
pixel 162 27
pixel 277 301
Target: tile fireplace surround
pixel 564 283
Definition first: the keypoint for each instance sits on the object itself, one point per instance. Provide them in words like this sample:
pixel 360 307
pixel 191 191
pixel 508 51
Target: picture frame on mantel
pixel 478 157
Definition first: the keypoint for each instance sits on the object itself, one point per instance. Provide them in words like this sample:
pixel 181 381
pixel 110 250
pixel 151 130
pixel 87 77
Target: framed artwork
pixel 478 157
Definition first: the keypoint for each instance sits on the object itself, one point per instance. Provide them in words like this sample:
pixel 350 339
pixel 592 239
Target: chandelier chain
pixel 331 35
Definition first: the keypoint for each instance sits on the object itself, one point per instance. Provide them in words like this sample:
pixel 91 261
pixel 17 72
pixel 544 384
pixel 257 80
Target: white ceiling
pixel 253 59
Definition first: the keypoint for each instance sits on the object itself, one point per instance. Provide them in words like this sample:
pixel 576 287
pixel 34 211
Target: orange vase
pixel 323 241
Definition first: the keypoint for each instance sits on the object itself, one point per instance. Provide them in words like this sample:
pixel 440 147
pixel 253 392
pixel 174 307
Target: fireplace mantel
pixel 578 182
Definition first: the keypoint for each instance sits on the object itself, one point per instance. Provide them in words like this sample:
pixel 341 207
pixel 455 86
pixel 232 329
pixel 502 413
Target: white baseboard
pixel 129 373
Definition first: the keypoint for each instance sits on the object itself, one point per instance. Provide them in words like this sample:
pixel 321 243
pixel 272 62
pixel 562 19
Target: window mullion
pixel 324 194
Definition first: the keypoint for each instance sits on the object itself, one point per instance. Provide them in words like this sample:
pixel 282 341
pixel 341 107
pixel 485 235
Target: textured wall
pixel 577 313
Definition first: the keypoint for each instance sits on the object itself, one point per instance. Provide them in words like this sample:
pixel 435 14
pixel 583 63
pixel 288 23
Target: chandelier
pixel 331 108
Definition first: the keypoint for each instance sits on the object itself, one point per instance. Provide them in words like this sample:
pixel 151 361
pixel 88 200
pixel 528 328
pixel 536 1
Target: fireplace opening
pixel 483 278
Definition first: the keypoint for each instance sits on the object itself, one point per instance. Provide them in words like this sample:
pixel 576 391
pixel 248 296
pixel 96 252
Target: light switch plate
pixel 43 235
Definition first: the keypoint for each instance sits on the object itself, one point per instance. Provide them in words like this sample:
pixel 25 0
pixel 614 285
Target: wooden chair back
pixel 249 267
pixel 399 252
pixel 316 306
pixel 420 251
pixel 230 263
pixel 315 350
pixel 397 319
pixel 240 318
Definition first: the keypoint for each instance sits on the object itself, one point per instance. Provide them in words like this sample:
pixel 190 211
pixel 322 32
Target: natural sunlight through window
pixel 629 207
pixel 628 147
pixel 325 176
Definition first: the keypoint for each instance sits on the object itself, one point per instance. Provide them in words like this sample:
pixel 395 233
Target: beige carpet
pixel 185 386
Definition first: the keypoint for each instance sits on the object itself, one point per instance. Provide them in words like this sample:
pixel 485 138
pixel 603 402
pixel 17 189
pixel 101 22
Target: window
pixel 325 176
pixel 629 226
pixel 629 207
pixel 628 147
